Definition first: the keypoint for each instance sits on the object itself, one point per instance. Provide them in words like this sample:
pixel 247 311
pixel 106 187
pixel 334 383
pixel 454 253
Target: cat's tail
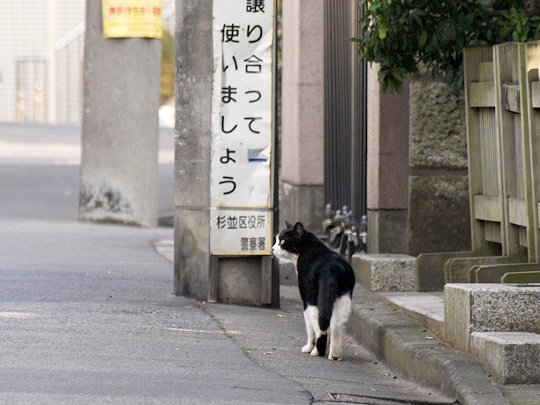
pixel 321 343
pixel 326 299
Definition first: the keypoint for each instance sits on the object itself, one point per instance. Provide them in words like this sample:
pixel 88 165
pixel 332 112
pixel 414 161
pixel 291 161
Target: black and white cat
pixel 326 281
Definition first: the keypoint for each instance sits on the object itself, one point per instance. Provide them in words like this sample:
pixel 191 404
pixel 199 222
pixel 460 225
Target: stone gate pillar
pixel 388 167
pixel 302 113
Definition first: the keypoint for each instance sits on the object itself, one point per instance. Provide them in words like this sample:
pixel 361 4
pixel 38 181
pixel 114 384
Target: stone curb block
pixel 489 308
pixel 385 272
pixel 513 357
pixel 418 354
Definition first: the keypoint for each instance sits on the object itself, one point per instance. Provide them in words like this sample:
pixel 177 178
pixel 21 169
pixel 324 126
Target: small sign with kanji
pixel 132 18
pixel 241 232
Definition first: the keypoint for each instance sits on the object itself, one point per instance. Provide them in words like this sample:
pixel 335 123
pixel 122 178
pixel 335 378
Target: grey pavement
pixel 87 315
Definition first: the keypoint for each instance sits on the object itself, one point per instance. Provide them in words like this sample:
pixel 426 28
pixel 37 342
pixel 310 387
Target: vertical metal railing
pixel 345 109
pixel 69 76
pixel 337 103
pixel 30 89
pixel 358 202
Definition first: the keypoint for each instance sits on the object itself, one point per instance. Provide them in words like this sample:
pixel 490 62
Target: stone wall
pixel 438 182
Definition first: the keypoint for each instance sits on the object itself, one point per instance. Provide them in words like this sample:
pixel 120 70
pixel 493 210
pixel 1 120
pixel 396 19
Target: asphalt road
pixel 87 315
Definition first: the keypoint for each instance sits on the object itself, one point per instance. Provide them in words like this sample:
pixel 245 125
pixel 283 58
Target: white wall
pixel 23 33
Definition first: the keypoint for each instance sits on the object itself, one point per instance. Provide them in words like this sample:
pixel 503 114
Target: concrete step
pixel 512 357
pixel 426 309
pixel 489 308
pixel 385 272
pixel 418 354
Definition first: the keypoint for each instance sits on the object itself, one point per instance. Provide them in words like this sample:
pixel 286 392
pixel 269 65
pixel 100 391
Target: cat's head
pixel 289 241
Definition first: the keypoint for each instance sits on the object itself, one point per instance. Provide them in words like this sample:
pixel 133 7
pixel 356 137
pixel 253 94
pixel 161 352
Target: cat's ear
pixel 288 225
pixel 298 229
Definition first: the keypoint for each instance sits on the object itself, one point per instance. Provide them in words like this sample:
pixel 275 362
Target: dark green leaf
pixel 422 40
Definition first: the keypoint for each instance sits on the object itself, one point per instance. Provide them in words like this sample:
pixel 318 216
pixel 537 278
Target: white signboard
pixel 241 232
pixel 241 172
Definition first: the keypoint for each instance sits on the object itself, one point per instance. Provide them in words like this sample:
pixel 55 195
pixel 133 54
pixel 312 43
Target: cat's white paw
pixel 307 348
pixel 334 357
pixel 315 352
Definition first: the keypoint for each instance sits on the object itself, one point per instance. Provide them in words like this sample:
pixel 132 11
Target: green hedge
pixel 402 35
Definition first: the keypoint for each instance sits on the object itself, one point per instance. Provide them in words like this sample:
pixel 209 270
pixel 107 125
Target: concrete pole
pixel 249 280
pixel 193 142
pixel 120 131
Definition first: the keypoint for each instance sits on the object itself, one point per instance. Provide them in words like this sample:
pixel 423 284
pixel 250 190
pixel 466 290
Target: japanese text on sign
pixel 242 103
pixel 132 18
pixel 240 232
pixel 242 120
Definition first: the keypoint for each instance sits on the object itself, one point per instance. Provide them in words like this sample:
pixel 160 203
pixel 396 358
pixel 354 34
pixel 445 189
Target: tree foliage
pixel 402 35
pixel 167 67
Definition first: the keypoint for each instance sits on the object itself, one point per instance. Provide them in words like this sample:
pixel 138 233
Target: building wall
pixel 438 180
pixel 69 62
pixel 23 33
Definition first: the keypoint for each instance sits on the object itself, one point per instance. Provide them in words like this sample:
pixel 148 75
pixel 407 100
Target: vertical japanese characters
pixel 242 117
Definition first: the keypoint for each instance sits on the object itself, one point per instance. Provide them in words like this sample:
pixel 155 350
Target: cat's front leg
pixel 310 334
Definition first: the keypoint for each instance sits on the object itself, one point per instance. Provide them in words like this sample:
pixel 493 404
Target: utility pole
pixel 120 128
pixel 224 172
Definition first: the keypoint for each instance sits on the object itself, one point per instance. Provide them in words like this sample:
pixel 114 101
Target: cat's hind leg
pixel 320 336
pixel 336 339
pixel 340 314
pixel 310 333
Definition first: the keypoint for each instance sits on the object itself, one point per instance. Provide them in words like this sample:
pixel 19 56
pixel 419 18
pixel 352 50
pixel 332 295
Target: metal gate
pixel 345 110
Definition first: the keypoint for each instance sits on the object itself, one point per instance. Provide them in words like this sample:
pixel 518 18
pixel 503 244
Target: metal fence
pixel 345 109
pixel 30 89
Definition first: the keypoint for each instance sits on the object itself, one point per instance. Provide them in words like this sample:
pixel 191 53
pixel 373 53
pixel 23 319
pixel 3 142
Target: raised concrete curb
pixel 513 357
pixel 416 353
pixel 385 272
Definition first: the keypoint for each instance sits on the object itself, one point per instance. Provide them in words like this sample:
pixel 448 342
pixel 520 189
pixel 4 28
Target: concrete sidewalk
pixel 412 351
pixel 87 315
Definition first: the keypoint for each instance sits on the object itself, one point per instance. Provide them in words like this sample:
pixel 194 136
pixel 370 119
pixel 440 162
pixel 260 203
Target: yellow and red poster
pixel 132 18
